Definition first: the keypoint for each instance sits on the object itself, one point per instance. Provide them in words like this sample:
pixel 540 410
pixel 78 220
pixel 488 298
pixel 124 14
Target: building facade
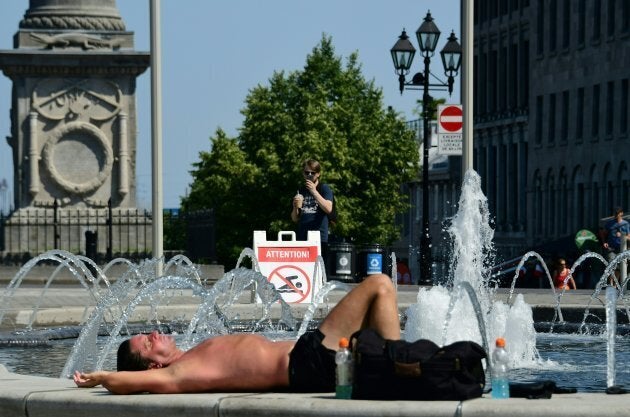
pixel 551 116
pixel 551 136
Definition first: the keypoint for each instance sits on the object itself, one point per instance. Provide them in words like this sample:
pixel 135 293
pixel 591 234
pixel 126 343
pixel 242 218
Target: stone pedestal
pixel 73 118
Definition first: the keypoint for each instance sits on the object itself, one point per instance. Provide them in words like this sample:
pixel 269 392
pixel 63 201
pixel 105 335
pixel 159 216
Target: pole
pixel 426 260
pixel 467 8
pixel 110 231
pixel 156 135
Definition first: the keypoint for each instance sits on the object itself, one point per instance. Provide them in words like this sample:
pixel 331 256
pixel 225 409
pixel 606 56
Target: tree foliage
pixel 326 111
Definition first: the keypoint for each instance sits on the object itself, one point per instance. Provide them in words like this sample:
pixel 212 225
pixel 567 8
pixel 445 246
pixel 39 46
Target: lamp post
pixel 403 52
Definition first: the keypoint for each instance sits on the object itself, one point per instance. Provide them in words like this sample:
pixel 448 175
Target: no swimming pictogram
pixel 291 282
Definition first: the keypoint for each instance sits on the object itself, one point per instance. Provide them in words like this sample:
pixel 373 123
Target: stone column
pixel 123 155
pixel 33 155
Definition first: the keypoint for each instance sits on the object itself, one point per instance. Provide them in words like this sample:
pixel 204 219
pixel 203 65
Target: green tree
pixel 433 107
pixel 327 111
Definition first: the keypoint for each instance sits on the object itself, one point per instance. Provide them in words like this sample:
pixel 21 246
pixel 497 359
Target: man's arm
pixel 295 213
pixel 324 199
pixel 160 381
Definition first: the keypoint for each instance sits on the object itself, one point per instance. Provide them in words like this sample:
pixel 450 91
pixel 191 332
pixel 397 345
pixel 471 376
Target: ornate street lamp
pixel 402 55
pixel 403 52
pixel 451 59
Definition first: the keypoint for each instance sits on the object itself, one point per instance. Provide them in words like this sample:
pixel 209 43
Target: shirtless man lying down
pixel 250 362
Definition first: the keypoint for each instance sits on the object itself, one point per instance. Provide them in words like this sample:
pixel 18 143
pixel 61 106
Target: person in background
pixel 560 274
pixel 312 204
pixel 614 232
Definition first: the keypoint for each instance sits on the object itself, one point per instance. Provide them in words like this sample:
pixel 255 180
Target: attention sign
pixel 290 264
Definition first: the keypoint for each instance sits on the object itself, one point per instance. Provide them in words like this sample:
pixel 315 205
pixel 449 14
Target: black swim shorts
pixel 311 365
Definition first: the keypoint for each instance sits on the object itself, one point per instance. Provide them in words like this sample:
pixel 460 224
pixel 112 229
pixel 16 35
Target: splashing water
pixel 442 314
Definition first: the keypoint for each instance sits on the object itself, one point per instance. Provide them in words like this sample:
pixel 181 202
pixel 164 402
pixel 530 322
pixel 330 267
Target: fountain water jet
pixel 473 254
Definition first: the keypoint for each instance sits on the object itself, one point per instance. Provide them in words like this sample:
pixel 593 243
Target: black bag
pixel 420 370
pixel 332 216
pixel 537 389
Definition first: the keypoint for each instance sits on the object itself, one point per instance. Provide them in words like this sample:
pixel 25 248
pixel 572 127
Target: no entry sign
pixel 450 128
pixel 450 118
pixel 289 264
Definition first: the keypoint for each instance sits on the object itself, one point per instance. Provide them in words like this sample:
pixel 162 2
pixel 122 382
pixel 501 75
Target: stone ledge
pixel 22 396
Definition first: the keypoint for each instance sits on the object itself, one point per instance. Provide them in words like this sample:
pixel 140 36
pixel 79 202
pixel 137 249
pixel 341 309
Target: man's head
pixel 311 170
pixel 126 360
pixel 618 212
pixel 146 351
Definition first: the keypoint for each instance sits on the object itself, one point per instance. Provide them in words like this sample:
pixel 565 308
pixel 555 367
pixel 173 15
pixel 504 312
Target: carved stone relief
pixel 57 99
pixel 77 154
pixel 78 157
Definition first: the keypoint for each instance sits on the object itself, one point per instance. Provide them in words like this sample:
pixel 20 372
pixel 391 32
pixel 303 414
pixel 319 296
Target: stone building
pixel 551 116
pixel 73 127
pixel 551 136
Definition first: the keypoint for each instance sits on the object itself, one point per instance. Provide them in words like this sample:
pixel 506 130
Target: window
pixel 523 94
pixel 503 74
pixel 492 81
pixel 503 7
pixel 566 24
pixel 581 27
pixel 494 8
pixel 579 115
pixel 597 20
pixel 610 111
pixel 553 24
pixel 595 112
pixel 623 108
pixel 539 121
pixel 513 83
pixel 540 23
pixel 610 28
pixel 625 16
pixel 476 97
pixel 564 121
pixel 483 84
pixel 551 133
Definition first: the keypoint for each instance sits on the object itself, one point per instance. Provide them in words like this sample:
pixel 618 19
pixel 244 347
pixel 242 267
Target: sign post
pixel 450 128
pixel 290 264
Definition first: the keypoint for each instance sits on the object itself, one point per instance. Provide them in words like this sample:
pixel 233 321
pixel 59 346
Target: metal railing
pixel 103 234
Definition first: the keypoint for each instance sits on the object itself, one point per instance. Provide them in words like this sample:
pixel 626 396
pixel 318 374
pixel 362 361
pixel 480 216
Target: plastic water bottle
pixel 500 381
pixel 343 359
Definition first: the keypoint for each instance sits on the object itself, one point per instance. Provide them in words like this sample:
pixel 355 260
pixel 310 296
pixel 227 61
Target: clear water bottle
pixel 343 359
pixel 500 369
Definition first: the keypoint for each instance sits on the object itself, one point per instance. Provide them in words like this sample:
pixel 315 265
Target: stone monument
pixel 73 128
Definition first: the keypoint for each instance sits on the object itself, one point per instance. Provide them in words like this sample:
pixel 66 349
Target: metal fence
pixel 104 234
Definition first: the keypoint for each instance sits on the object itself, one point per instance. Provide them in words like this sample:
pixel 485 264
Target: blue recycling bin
pixel 371 260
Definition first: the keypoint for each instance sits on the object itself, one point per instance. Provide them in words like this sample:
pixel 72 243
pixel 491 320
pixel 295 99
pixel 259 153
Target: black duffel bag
pixel 420 370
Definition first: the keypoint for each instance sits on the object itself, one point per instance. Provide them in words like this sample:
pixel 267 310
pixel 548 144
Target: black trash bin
pixel 91 248
pixel 340 262
pixel 371 260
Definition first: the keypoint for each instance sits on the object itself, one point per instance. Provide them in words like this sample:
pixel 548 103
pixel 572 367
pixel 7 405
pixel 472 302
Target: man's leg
pixel 371 304
pixel 610 256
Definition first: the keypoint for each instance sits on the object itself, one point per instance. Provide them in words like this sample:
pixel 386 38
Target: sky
pixel 215 51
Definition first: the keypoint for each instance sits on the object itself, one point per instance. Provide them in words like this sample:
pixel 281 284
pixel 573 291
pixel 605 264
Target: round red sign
pixel 451 119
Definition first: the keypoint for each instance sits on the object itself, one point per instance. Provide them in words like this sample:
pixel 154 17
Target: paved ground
pixel 23 396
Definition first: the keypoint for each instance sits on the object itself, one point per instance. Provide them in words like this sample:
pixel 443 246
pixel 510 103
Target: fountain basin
pixel 22 395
